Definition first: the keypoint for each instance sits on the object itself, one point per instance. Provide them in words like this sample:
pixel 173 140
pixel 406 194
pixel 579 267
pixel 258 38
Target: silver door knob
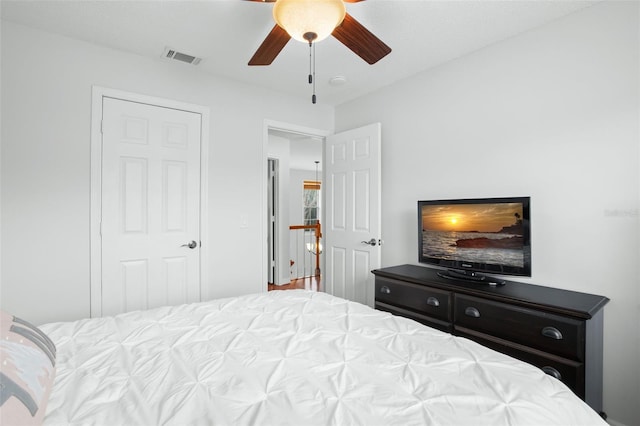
pixel 371 242
pixel 191 245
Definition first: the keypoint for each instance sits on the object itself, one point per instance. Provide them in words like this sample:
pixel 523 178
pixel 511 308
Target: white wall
pixel 552 113
pixel 46 107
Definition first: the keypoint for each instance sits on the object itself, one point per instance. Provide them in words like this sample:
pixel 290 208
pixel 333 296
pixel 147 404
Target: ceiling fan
pixel 313 20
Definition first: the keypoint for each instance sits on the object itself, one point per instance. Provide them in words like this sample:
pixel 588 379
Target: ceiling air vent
pixel 182 57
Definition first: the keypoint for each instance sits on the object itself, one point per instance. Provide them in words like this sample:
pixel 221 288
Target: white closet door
pixel 150 206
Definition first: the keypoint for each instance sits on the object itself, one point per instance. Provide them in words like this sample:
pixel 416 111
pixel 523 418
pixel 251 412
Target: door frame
pixel 273 195
pixel 289 128
pixel 95 239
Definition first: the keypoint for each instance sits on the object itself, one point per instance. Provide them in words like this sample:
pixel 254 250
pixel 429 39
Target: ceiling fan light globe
pixel 298 17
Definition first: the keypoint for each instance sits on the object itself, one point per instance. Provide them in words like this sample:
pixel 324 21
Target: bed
pixel 291 358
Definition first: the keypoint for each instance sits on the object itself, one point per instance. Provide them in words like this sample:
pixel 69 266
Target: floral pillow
pixel 27 369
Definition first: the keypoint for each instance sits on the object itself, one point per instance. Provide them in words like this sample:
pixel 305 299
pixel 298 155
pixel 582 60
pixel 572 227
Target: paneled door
pixel 352 216
pixel 150 206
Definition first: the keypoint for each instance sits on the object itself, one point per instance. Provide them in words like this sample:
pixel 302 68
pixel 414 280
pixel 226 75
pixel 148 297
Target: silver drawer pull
pixel 552 333
pixel 472 312
pixel 432 301
pixel 385 290
pixel 552 372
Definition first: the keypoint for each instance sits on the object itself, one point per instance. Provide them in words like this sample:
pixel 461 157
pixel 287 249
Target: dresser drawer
pixel 425 300
pixel 423 319
pixel 571 373
pixel 539 330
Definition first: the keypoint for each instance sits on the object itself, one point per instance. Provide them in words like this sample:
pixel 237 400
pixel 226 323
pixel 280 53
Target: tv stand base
pixel 472 277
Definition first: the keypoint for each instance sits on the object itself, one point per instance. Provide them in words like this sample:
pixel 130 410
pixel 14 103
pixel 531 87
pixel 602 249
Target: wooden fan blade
pixel 360 40
pixel 270 47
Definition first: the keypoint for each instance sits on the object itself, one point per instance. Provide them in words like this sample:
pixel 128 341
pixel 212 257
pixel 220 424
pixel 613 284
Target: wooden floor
pixel 308 283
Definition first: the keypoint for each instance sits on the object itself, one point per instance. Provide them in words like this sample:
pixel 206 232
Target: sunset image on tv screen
pixel 471 217
pixel 487 233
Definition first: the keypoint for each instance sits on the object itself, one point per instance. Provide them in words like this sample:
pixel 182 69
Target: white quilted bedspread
pixel 291 358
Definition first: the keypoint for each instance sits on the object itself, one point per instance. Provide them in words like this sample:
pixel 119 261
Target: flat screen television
pixel 471 237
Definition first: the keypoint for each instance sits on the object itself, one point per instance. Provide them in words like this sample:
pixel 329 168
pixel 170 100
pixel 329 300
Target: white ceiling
pixel 226 33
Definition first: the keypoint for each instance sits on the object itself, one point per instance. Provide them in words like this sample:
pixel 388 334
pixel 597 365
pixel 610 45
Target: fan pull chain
pixel 310 56
pixel 313 97
pixel 312 69
pixel 310 36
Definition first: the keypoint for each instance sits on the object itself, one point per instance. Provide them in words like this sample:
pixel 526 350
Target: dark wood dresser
pixel 560 331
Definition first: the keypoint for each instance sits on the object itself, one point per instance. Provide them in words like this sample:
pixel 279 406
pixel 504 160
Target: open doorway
pixel 294 209
pixel 351 214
